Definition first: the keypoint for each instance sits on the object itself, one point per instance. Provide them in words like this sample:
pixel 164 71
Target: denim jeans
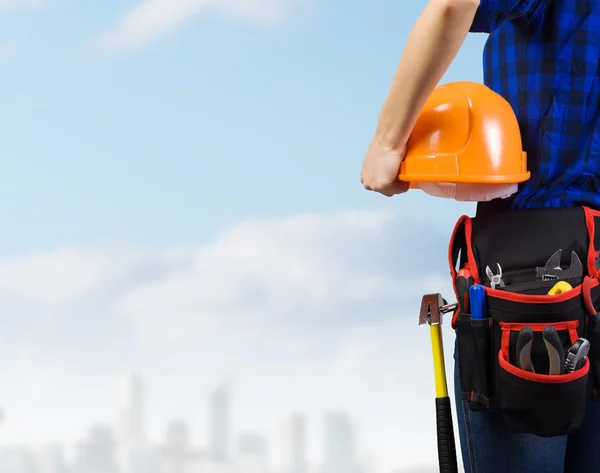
pixel 487 446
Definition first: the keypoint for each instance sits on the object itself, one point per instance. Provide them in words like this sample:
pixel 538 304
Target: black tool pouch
pixel 531 402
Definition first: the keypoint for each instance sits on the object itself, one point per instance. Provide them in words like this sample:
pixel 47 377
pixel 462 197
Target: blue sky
pixel 215 121
pixel 192 191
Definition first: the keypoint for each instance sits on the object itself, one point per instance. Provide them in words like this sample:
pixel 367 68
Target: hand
pixel 381 167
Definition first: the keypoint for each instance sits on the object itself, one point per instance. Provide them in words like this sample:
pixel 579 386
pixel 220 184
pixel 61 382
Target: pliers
pixel 556 352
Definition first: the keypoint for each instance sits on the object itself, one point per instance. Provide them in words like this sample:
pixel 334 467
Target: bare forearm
pixel 432 45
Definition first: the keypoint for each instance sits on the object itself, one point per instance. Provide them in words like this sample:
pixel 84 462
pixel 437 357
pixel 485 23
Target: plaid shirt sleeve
pixel 492 13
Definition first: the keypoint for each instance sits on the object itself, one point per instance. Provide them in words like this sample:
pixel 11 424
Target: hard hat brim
pixel 470 179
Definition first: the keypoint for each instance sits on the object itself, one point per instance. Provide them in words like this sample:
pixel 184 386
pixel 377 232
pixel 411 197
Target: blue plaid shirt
pixel 543 57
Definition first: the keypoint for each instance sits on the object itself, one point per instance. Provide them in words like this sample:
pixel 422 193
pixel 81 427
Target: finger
pixel 395 188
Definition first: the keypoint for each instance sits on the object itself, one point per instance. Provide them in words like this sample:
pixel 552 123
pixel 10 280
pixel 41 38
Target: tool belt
pixel 516 243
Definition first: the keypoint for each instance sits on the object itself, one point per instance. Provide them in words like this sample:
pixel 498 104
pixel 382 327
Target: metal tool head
pixel 553 271
pixel 495 279
pixel 430 309
pixel 433 306
pixel 576 355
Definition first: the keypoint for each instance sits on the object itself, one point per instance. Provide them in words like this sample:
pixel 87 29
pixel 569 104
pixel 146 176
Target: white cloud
pixel 151 19
pixel 312 312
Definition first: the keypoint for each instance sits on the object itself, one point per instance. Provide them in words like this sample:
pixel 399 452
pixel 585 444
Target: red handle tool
pixel 464 281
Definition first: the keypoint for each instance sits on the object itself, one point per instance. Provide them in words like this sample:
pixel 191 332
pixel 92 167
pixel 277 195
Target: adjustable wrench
pixel 553 271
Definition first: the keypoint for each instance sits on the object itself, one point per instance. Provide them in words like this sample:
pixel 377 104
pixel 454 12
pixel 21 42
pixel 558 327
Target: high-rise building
pixel 339 448
pixel 293 437
pixel 131 436
pixel 219 413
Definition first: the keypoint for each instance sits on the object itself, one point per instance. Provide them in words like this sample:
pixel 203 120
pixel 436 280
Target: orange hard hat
pixel 466 133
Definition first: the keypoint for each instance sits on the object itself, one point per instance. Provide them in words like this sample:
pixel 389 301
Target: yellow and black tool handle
pixel 445 436
pixel 432 308
pixel 443 408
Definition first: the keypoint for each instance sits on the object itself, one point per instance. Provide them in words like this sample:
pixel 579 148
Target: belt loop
pixel 591 217
pixel 586 291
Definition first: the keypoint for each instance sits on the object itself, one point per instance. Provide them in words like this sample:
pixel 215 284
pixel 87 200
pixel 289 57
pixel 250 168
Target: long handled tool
pixel 432 309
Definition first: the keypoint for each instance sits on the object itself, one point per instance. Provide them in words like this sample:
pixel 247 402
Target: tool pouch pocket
pixel 475 344
pixel 491 378
pixel 542 404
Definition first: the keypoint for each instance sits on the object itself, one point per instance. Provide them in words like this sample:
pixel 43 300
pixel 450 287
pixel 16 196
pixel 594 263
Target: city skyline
pixel 187 202
pixel 125 447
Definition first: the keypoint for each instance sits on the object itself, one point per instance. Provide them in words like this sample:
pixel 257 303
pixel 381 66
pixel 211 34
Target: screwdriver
pixel 477 302
pixel 464 281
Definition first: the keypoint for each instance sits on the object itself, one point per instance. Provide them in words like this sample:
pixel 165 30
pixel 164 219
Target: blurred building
pixel 131 439
pixel 339 444
pixel 219 429
pixel 251 455
pixel 17 460
pixel 177 454
pixel 97 453
pixel 50 459
pixel 293 444
pixel 208 465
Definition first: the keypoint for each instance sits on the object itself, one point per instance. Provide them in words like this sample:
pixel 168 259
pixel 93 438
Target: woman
pixel 541 56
